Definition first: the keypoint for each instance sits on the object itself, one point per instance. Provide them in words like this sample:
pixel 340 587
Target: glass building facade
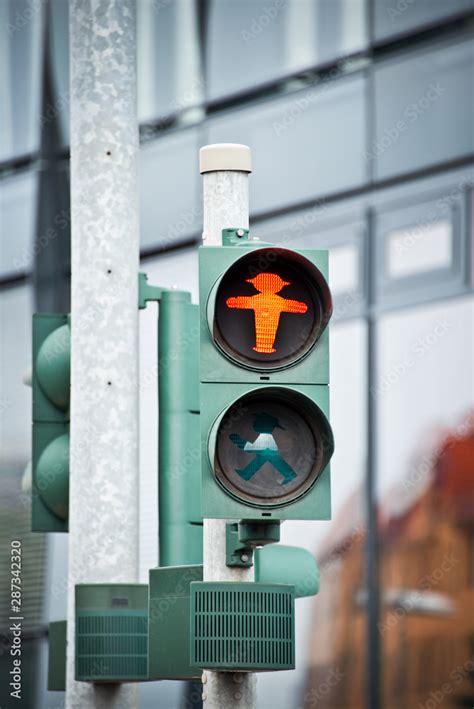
pixel 359 116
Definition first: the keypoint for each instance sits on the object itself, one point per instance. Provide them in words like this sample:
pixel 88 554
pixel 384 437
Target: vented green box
pixel 169 611
pixel 243 626
pixel 111 632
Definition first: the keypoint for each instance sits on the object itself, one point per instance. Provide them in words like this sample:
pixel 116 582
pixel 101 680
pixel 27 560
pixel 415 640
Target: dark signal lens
pixel 271 307
pixel 271 446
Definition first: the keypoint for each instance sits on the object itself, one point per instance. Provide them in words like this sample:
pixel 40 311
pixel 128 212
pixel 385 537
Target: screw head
pixel 244 557
pixel 240 232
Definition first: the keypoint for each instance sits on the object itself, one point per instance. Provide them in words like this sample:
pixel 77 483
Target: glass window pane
pixel 169 74
pixel 20 77
pixel 17 222
pixel 419 249
pixel 425 394
pixel 393 18
pixel 170 202
pixel 274 39
pixel 421 240
pixel 302 145
pixel 424 107
pixel 344 268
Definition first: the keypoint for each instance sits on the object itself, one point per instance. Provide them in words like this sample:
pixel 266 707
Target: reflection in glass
pixel 426 506
pixel 335 634
pixel 20 77
pixel 169 75
pixel 423 247
pixel 17 222
pixel 274 39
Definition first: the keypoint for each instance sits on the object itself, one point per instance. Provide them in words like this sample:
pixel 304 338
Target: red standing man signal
pixel 268 306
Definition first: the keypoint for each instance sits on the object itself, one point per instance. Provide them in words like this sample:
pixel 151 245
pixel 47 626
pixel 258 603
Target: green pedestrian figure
pixel 265 449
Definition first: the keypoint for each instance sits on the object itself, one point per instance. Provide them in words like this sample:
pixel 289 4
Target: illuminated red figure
pixel 268 306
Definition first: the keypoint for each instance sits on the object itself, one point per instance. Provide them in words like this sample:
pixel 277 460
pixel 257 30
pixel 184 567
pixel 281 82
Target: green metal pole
pixel 180 522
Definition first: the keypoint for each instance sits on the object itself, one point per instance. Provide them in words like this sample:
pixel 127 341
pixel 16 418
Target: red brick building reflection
pixel 426 626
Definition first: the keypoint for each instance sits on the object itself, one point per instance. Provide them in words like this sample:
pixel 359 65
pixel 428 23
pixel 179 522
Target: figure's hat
pixel 268 282
pixel 265 423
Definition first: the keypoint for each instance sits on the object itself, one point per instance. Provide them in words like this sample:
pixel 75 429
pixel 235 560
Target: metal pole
pixel 103 512
pixel 225 169
pixel 373 670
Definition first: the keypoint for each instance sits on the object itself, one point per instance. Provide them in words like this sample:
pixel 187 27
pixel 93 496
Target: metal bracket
pixel 147 292
pixel 254 533
pixel 242 538
pixel 234 236
pixel 236 553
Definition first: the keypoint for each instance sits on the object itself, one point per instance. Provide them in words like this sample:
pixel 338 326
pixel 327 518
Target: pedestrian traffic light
pixel 50 440
pixel 265 435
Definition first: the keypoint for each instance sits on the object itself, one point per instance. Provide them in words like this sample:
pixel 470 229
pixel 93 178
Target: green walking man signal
pixel 265 448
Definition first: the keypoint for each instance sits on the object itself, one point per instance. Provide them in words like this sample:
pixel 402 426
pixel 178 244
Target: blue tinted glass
pixel 273 39
pixel 303 145
pixel 424 106
pixel 20 77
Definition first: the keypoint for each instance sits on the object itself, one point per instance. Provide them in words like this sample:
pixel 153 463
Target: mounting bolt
pixel 240 232
pixel 238 677
pixel 238 695
pixel 244 557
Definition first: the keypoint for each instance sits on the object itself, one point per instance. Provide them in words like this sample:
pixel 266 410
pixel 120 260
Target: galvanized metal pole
pixel 225 168
pixel 103 513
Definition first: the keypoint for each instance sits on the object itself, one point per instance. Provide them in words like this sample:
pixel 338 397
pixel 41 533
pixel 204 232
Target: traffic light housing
pixel 264 372
pixel 50 437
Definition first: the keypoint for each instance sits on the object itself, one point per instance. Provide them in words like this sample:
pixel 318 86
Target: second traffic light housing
pixel 50 440
pixel 264 370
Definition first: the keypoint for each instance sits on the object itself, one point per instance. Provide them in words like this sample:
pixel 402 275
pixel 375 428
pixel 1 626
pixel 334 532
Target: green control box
pixel 111 632
pixel 169 622
pixel 243 626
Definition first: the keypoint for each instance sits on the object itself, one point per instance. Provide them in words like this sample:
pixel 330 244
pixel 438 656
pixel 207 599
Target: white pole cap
pixel 225 156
